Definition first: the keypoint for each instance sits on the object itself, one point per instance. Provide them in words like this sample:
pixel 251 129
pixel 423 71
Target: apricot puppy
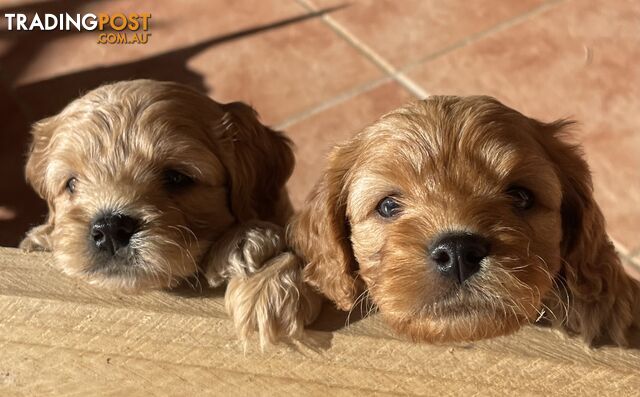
pixel 150 182
pixel 462 219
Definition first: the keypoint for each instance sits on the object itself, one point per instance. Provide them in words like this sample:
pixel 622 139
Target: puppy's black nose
pixel 459 255
pixel 111 232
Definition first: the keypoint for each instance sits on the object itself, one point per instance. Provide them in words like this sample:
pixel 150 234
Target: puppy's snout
pixel 459 255
pixel 111 232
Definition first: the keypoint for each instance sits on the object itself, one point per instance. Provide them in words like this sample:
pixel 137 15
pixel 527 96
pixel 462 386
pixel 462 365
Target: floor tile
pixel 615 164
pixel 407 31
pixel 285 71
pixel 570 61
pixel 315 135
pixel 273 54
pixel 174 25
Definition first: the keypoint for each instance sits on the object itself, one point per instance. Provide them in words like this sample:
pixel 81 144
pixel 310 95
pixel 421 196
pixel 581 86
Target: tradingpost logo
pixel 117 28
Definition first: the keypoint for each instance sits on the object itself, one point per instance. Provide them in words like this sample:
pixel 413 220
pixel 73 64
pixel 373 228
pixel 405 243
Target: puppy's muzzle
pixel 112 232
pixel 459 255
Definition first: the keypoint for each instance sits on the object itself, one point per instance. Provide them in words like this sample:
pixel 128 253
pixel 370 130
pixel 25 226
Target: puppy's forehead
pixel 448 134
pixel 137 132
pixel 107 130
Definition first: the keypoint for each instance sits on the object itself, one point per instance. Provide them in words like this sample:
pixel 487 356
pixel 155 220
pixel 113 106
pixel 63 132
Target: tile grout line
pixel 626 256
pixel 369 53
pixel 399 74
pixel 620 248
pixel 340 98
pixel 632 267
pixel 506 24
pixel 635 262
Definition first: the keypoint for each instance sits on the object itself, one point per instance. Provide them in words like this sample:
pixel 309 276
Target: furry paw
pixel 244 251
pixel 37 239
pixel 275 301
pixel 257 246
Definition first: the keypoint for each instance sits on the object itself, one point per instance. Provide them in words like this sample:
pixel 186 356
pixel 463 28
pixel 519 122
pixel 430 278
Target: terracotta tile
pixel 571 61
pixel 174 25
pixel 574 60
pixel 316 135
pixel 286 71
pixel 408 31
pixel 615 165
pixel 293 63
pixel 39 63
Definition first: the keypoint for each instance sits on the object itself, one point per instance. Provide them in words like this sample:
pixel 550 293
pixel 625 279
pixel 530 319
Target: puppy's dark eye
pixel 175 180
pixel 388 207
pixel 523 198
pixel 71 185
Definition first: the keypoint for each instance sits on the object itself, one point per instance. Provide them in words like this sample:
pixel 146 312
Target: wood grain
pixel 61 337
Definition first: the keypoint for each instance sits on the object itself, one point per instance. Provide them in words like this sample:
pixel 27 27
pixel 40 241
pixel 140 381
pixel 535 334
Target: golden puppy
pixel 150 182
pixel 462 219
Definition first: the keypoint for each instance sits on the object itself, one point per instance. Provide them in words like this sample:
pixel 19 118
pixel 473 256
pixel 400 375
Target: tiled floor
pixel 322 69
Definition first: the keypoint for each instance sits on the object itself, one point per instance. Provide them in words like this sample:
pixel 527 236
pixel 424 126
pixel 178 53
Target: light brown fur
pixel 449 162
pixel 117 141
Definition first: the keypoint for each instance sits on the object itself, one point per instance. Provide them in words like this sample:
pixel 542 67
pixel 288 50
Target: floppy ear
pixel 260 164
pixel 35 170
pixel 320 233
pixel 38 238
pixel 603 299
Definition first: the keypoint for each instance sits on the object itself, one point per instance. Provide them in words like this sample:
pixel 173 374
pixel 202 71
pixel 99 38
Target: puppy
pixel 149 183
pixel 462 219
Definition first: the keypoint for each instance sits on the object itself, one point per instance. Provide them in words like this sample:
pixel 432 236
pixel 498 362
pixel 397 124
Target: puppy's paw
pixel 37 239
pixel 275 301
pixel 255 247
pixel 243 251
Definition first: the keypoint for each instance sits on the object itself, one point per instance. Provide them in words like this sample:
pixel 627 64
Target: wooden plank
pixel 61 337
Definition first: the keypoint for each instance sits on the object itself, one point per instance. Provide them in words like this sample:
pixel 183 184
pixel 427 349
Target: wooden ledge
pixel 60 337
